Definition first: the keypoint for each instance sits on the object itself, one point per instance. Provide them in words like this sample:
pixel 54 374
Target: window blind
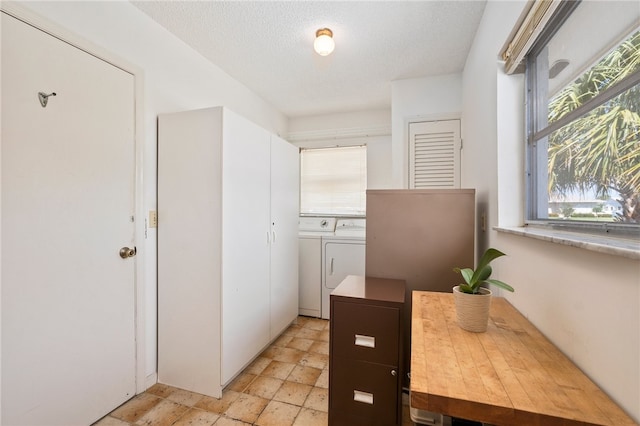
pixel 333 180
pixel 531 25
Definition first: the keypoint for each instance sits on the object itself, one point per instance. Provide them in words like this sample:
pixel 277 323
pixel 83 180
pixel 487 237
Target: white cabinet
pixel 227 245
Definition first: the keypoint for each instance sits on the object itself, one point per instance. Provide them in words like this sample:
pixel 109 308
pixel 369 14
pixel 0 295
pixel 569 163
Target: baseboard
pixel 150 380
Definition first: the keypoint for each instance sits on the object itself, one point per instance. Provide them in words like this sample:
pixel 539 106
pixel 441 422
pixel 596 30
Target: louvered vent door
pixel 434 154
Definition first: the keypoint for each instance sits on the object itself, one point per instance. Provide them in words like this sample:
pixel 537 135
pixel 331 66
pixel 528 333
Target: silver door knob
pixel 127 252
pixel 393 373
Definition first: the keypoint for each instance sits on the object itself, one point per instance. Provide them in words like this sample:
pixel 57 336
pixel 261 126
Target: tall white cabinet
pixel 227 245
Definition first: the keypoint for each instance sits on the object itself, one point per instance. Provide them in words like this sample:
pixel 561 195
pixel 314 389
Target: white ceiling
pixel 268 46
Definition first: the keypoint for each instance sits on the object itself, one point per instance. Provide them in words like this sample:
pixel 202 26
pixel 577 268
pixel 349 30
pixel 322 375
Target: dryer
pixel 343 253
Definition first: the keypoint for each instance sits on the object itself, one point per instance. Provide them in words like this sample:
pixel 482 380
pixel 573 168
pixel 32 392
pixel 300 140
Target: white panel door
pixel 68 347
pixel 246 238
pixel 285 190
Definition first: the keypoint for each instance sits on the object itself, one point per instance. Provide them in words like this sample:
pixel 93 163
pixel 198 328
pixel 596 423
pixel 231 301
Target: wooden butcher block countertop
pixel 510 375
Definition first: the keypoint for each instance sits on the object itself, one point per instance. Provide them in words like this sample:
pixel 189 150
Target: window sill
pixel 624 247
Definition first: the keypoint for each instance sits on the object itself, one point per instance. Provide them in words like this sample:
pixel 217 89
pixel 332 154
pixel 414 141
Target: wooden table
pixel 510 375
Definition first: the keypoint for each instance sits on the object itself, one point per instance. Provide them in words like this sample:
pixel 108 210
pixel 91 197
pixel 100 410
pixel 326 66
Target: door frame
pixel 23 14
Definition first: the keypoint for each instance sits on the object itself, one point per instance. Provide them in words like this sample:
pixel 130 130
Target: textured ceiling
pixel 268 46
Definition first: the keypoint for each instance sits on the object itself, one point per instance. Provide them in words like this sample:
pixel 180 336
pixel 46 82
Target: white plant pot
pixel 472 310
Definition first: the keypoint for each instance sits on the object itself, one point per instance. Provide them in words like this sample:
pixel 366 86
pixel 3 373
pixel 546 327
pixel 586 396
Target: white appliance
pixel 310 233
pixel 343 253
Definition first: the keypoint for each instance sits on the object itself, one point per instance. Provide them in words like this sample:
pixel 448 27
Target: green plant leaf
pixel 485 273
pixel 500 284
pixel 466 273
pixel 486 258
pixel 466 289
pixel 482 273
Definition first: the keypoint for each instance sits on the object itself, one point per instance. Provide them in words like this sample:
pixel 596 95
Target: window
pixel 583 118
pixel 333 181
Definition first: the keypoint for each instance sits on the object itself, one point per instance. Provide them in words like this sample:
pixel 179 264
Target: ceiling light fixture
pixel 324 43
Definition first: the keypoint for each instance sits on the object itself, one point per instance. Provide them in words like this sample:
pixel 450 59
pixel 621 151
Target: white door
pixel 285 208
pixel 434 154
pixel 68 348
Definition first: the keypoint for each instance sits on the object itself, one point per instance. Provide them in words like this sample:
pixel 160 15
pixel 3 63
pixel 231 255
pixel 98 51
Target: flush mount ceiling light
pixel 324 43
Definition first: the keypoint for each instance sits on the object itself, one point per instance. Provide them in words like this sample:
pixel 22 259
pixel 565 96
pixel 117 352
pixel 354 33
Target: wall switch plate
pixel 153 219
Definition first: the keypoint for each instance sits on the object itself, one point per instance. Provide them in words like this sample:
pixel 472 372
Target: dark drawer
pixel 362 393
pixel 365 332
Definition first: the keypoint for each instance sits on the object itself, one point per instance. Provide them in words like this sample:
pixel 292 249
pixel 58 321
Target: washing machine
pixel 343 253
pixel 311 230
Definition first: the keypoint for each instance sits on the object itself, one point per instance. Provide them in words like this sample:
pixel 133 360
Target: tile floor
pixel 286 385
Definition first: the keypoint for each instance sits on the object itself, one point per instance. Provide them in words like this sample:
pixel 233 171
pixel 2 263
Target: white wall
pixel 176 78
pixel 431 98
pixel 586 303
pixel 369 120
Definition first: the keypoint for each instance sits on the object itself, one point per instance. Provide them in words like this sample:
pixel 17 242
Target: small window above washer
pixel 333 181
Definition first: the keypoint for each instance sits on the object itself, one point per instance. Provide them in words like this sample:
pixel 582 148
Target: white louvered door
pixel 434 154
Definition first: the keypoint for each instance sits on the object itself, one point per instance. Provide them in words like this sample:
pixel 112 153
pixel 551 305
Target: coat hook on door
pixel 44 98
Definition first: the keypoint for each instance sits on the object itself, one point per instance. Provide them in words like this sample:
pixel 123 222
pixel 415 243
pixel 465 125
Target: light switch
pixel 153 219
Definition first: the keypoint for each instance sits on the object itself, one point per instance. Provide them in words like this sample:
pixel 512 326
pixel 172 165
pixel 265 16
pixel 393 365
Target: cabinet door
pixel 285 178
pixel 246 242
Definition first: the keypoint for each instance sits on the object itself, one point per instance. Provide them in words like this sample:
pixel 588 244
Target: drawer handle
pixel 365 341
pixel 364 397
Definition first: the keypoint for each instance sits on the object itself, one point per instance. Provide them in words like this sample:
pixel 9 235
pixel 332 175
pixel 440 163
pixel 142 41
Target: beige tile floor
pixel 286 385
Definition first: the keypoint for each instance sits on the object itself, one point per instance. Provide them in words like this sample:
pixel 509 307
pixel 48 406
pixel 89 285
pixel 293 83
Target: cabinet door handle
pixel 331 267
pixel 394 373
pixel 268 237
pixel 365 341
pixel 365 397
pixel 273 239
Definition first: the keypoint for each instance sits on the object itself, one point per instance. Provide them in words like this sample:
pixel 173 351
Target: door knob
pixel 127 252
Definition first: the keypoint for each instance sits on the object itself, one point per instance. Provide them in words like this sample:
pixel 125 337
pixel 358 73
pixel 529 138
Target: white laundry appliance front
pixel 310 233
pixel 343 253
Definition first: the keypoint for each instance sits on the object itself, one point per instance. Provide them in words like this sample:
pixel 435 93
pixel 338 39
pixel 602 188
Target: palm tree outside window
pixel 583 93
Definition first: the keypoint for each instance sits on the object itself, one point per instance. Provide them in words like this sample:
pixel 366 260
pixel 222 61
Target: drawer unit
pixel 365 357
pixel 366 332
pixel 366 392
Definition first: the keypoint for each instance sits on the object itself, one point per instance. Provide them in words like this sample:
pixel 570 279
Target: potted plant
pixel 473 301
